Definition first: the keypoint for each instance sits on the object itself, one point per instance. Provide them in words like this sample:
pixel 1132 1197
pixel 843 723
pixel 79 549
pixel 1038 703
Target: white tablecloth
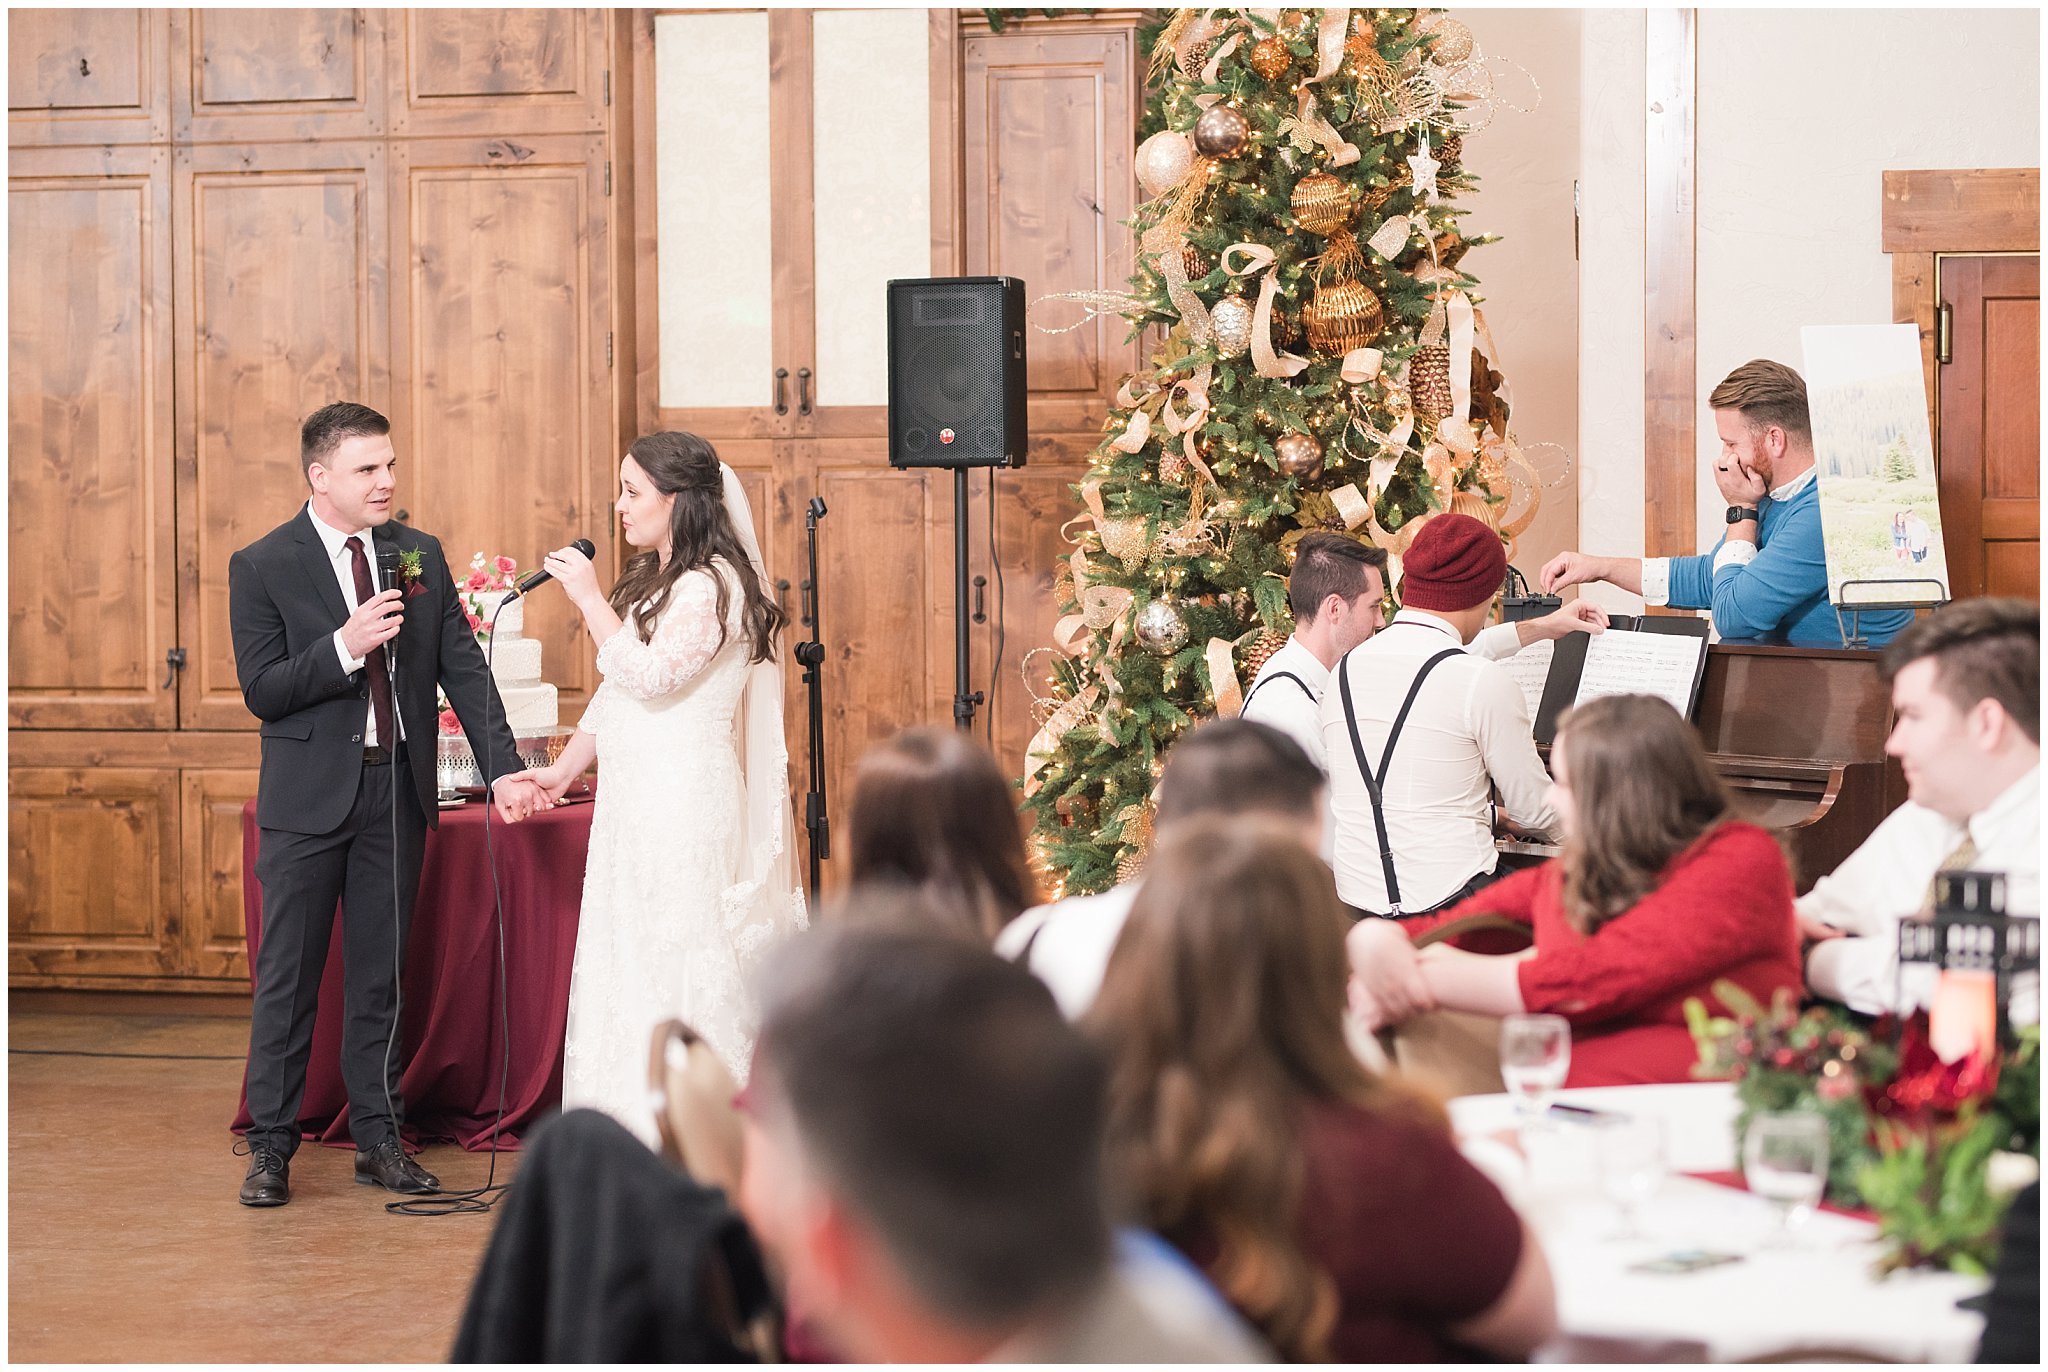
pixel 1818 1295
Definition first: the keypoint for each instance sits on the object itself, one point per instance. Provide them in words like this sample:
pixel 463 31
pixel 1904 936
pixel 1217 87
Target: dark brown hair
pixel 686 467
pixel 932 809
pixel 1328 564
pixel 1222 1013
pixel 1766 392
pixel 1985 648
pixel 1643 793
pixel 327 426
pixel 1236 767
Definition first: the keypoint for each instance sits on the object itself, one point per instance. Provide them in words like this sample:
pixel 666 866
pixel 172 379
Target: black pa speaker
pixel 956 372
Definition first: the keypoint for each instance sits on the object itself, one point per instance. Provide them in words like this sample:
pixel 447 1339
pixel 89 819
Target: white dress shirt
pixel 1073 943
pixel 1887 880
pixel 1469 727
pixel 1293 710
pixel 343 562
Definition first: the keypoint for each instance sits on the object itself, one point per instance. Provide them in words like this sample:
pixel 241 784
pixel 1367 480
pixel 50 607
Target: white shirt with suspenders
pixel 1288 694
pixel 1436 746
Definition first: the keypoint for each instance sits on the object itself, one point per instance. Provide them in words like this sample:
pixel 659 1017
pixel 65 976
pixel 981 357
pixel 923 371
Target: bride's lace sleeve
pixel 684 642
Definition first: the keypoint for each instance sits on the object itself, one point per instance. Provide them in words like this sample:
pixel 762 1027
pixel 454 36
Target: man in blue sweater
pixel 1767 578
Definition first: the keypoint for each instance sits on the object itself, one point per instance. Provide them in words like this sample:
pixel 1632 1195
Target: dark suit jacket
pixel 284 606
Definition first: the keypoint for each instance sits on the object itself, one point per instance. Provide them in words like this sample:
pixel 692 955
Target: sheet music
pixel 1531 668
pixel 1626 662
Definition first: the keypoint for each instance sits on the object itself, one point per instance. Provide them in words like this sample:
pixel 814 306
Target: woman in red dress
pixel 1330 1207
pixel 1659 893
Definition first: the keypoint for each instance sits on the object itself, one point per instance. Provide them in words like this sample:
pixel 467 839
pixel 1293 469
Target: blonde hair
pixel 1765 393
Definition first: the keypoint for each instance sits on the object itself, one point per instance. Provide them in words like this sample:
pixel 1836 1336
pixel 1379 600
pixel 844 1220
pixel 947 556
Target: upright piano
pixel 1798 735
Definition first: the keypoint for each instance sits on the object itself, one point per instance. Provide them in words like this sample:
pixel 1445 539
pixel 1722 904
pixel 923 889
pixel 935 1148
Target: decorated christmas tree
pixel 1320 364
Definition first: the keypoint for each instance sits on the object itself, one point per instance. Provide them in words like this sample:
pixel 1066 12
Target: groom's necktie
pixel 373 663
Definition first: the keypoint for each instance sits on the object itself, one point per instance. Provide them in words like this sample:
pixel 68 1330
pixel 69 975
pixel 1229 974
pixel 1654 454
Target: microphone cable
pixel 475 1200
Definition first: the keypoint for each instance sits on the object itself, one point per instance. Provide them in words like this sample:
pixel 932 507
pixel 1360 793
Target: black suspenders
pixel 1278 676
pixel 1374 781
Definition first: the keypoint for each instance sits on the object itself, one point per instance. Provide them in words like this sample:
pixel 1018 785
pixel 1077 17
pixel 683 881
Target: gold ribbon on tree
pixel 1259 258
pixel 1220 658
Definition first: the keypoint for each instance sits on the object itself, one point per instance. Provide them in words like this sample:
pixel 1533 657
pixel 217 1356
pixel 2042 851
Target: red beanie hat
pixel 1454 563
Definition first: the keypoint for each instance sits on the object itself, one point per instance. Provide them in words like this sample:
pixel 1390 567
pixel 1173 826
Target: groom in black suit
pixel 343 676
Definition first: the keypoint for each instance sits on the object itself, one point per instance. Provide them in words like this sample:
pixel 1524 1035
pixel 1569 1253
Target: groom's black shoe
pixel 269 1181
pixel 386 1165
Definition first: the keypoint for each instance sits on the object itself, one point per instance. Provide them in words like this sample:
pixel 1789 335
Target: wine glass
pixel 1535 1054
pixel 1785 1160
pixel 1630 1151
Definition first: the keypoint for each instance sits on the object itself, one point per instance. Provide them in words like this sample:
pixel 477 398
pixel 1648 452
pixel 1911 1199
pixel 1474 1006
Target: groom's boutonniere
pixel 411 574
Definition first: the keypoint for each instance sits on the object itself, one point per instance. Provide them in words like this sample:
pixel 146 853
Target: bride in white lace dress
pixel 692 870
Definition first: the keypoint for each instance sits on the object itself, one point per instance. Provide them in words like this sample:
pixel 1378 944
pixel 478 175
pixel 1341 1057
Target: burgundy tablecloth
pixel 454 1046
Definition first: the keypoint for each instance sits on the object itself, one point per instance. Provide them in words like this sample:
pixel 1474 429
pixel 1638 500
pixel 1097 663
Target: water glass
pixel 1630 1155
pixel 1785 1160
pixel 1535 1055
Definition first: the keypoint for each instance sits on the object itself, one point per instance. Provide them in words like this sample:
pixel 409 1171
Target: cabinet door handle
pixel 980 609
pixel 403 516
pixel 782 390
pixel 803 390
pixel 782 595
pixel 174 663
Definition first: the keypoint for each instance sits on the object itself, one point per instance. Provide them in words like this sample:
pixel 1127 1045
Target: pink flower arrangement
pixel 449 723
pixel 486 574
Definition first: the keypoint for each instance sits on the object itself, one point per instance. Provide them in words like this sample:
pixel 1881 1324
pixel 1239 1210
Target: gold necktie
pixel 1961 860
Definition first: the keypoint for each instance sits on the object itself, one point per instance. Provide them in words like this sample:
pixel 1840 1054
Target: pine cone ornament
pixel 1429 384
pixel 1128 866
pixel 1450 150
pixel 1173 466
pixel 1263 647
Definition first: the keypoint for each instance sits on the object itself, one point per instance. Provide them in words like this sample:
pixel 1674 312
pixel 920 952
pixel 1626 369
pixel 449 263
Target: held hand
pixel 1580 615
pixel 1814 930
pixel 1739 485
pixel 1570 569
pixel 375 621
pixel 518 796
pixel 570 567
pixel 1386 986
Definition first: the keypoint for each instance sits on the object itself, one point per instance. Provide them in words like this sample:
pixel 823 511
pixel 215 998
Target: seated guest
pixel 1659 893
pixel 1767 577
pixel 1229 767
pixel 1966 694
pixel 932 810
pixel 1330 1206
pixel 924 1161
pixel 1417 834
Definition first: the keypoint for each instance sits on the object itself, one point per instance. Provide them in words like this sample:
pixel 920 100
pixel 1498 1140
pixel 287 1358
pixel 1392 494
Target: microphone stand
pixel 812 655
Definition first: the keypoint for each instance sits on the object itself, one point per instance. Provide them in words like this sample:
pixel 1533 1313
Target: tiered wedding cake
pixel 530 704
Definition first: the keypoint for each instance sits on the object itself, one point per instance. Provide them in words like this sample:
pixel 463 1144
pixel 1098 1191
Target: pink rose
pixel 478 581
pixel 475 620
pixel 449 723
pixel 505 565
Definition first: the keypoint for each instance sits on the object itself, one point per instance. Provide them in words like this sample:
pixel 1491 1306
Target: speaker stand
pixel 963 703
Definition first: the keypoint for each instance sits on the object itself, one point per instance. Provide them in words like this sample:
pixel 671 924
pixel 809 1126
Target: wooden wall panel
pixel 1671 346
pixel 240 75
pixel 90 608
pixel 211 802
pixel 87 76
pixel 500 373
pixel 282 288
pixel 484 71
pixel 1049 123
pixel 92 871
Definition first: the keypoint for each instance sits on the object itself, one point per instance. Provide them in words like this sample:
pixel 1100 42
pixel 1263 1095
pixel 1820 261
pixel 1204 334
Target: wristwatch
pixel 1738 513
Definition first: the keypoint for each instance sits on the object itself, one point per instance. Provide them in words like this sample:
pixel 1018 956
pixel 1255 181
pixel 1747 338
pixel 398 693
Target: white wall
pixel 1801 112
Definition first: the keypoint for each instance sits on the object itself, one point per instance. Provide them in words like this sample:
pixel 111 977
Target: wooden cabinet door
pixel 211 800
pixel 243 75
pixel 1989 464
pixel 501 395
pixel 92 872
pixel 87 76
pixel 283 307
pixel 91 610
pixel 1048 181
pixel 479 72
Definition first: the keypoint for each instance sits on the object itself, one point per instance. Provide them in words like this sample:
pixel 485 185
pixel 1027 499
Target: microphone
pixel 581 545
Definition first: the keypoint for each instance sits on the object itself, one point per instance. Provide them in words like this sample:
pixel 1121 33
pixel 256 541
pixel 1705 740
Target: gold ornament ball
pixel 1270 57
pixel 1232 319
pixel 1344 315
pixel 1163 159
pixel 1321 203
pixel 1222 132
pixel 1454 44
pixel 1300 456
pixel 1160 628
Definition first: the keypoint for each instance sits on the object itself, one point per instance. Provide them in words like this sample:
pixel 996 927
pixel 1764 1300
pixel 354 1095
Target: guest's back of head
pixel 919 1103
pixel 932 809
pixel 1238 767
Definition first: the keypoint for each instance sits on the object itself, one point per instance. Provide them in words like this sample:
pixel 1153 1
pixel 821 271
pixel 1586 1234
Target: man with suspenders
pixel 1418 730
pixel 1335 591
